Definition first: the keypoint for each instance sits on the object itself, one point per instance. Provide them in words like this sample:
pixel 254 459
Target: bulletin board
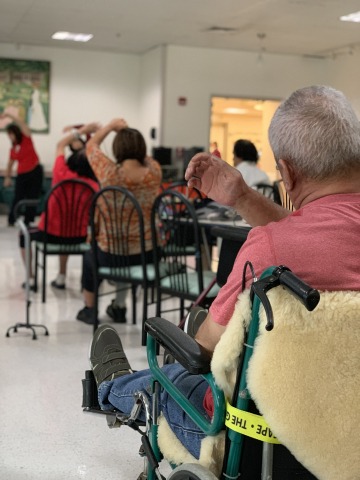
pixel 25 92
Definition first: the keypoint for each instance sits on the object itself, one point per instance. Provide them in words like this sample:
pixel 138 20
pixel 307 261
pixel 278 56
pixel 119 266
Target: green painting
pixel 24 92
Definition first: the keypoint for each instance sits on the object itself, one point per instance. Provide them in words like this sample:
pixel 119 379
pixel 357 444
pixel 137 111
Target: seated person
pixel 75 167
pixel 245 160
pixel 325 190
pixel 139 174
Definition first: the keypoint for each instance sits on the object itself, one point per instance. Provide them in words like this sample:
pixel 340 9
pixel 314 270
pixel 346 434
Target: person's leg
pixel 117 385
pixel 36 235
pixel 89 298
pixel 121 294
pixel 59 281
pixel 63 259
pixel 86 314
pixel 32 190
pixel 119 394
pixel 18 195
pixel 117 309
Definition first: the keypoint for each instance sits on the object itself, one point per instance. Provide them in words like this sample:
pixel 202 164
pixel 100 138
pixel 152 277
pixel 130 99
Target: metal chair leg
pixel 44 279
pixel 133 294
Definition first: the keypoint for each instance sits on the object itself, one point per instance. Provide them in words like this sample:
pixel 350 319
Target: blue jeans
pixel 119 393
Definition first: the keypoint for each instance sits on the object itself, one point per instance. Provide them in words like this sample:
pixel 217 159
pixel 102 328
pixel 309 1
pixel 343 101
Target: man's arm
pixel 224 184
pixel 20 123
pixel 209 333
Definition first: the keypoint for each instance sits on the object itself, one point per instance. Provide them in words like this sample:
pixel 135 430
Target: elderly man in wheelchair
pixel 298 366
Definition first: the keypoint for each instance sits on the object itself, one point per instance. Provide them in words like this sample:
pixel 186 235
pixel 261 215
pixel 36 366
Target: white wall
pixel 87 86
pixel 84 87
pixel 344 74
pixel 151 95
pixel 198 74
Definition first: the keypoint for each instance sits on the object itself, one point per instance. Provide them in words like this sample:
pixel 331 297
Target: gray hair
pixel 317 131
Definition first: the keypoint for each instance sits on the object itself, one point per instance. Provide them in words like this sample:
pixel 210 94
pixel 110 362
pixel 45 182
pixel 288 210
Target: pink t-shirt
pixel 319 243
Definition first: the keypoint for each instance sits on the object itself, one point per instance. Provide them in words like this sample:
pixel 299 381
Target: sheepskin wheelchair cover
pixel 304 376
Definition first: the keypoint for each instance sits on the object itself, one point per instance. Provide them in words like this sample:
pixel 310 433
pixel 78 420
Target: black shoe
pixel 118 314
pixel 107 357
pixel 32 286
pixel 59 286
pixel 86 315
pixel 194 319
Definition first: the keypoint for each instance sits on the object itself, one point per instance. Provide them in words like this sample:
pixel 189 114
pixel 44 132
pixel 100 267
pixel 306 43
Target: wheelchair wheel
pixel 191 471
pixel 168 358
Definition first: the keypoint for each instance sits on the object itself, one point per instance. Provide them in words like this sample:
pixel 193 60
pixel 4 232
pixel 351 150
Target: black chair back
pixel 117 227
pixel 117 222
pixel 178 264
pixel 284 197
pixel 269 191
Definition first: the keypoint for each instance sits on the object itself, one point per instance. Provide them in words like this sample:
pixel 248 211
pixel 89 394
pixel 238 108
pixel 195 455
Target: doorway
pixel 235 118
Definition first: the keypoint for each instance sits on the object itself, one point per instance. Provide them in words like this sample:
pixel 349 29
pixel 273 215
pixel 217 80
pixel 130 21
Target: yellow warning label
pixel 249 424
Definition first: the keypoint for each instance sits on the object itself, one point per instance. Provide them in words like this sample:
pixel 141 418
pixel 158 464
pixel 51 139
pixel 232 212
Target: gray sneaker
pixel 107 357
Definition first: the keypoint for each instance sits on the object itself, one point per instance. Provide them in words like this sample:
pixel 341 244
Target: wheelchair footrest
pixel 90 392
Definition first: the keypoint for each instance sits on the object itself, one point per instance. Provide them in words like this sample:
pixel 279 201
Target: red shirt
pixel 319 243
pixel 25 154
pixel 61 171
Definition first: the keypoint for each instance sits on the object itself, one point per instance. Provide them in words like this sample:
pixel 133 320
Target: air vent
pixel 216 28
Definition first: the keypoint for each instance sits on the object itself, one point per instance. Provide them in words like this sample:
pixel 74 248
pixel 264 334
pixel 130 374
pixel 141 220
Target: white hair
pixel 317 131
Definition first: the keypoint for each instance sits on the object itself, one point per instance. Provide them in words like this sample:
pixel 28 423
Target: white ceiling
pixel 304 27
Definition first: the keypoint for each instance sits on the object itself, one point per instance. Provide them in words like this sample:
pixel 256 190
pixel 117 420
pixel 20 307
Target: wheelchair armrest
pixel 182 347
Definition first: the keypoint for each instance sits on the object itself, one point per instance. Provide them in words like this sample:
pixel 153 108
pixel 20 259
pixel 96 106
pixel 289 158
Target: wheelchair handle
pixel 307 295
pixel 282 275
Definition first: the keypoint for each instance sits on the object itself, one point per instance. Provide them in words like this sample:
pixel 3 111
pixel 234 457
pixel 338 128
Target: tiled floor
pixel 44 433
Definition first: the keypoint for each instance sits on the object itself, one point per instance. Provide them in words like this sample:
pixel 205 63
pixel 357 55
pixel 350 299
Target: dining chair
pixel 284 197
pixel 179 269
pixel 269 190
pixel 68 201
pixel 192 194
pixel 116 219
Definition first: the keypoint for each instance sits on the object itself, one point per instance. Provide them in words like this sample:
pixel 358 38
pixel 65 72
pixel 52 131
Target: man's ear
pixel 287 174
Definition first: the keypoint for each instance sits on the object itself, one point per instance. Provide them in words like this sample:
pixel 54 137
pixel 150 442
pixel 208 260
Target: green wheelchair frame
pixel 196 360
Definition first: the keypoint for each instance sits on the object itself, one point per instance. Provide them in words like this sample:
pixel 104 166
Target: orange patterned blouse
pixel 109 173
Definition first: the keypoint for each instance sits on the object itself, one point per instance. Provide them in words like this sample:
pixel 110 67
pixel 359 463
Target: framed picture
pixel 24 92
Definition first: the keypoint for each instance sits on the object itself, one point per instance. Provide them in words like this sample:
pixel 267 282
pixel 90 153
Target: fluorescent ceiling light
pixel 234 110
pixel 74 37
pixel 352 17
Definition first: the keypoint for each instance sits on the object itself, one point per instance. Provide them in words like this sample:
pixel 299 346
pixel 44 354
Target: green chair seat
pixel 192 285
pixel 63 248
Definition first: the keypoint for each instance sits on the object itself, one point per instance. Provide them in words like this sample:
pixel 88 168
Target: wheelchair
pixel 231 417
